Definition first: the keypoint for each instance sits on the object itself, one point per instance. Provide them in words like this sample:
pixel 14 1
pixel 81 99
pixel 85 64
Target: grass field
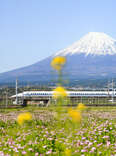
pixel 52 133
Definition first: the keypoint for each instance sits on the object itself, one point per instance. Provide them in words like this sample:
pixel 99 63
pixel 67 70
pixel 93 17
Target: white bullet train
pixel 28 94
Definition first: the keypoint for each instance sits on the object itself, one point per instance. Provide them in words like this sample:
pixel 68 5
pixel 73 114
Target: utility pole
pixel 16 91
pixel 108 87
pixel 6 99
pixel 112 91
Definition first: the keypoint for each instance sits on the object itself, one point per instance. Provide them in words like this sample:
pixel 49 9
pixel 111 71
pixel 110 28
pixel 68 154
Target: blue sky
pixel 31 30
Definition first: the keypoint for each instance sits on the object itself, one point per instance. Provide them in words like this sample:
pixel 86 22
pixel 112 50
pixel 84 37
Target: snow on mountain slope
pixel 94 55
pixel 94 43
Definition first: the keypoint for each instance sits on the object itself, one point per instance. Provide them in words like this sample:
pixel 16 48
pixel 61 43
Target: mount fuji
pixel 93 56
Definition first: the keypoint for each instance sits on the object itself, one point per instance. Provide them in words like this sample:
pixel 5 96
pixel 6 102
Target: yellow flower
pixel 59 92
pixel 58 62
pixel 75 115
pixel 81 106
pixel 23 117
pixel 67 152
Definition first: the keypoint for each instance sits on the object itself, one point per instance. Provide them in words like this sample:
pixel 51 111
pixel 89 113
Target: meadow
pixel 53 133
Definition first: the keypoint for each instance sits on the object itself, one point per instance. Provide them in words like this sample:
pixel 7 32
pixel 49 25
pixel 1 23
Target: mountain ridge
pixel 93 55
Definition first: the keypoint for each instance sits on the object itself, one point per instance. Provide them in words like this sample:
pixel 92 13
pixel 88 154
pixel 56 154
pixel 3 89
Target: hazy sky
pixel 30 30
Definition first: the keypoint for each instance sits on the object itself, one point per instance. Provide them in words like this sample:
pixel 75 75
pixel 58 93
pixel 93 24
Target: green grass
pixel 49 134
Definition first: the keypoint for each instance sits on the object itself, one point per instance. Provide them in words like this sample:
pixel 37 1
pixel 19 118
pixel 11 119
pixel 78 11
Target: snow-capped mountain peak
pixel 94 43
pixel 81 66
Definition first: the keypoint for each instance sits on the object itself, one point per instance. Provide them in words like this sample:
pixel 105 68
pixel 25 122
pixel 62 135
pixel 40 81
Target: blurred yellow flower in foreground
pixel 59 92
pixel 81 106
pixel 67 152
pixel 23 117
pixel 58 62
pixel 75 115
